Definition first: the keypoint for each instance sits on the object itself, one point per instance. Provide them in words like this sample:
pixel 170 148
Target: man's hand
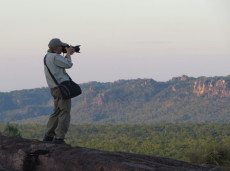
pixel 70 50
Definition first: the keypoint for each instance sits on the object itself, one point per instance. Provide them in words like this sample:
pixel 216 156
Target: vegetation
pixel 216 154
pixel 11 130
pixel 199 143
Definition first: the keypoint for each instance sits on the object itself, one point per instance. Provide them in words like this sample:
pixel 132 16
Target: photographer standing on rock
pixel 59 120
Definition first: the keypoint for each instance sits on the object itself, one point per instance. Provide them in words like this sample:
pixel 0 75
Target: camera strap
pixel 51 73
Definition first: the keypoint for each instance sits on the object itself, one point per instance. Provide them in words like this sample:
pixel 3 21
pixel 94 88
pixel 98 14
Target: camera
pixel 76 48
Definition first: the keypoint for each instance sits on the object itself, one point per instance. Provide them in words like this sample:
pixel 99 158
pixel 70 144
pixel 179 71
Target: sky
pixel 120 39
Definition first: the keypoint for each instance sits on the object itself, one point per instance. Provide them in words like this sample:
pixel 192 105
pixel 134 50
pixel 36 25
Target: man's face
pixel 58 49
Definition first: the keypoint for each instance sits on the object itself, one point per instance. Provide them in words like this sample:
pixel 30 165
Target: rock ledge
pixel 18 154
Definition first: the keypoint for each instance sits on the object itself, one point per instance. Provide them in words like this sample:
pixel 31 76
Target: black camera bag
pixel 69 89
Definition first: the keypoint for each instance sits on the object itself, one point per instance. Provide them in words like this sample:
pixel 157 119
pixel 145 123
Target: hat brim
pixel 64 44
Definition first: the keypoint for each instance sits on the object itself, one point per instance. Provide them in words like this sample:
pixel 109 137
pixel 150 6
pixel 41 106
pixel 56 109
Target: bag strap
pixel 50 71
pixel 52 74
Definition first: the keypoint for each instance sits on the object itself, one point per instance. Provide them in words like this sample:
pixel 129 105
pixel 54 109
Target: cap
pixel 56 42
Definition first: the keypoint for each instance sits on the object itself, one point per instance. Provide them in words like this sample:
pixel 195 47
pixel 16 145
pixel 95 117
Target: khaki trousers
pixel 59 120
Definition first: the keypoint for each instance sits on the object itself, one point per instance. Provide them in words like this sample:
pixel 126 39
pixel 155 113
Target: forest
pixel 198 143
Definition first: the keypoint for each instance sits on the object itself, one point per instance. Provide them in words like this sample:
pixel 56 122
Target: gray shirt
pixel 57 65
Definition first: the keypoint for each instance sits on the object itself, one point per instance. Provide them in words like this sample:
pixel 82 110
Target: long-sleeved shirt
pixel 57 65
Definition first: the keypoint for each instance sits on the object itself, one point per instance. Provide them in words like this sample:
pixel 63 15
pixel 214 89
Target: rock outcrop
pixel 211 88
pixel 18 154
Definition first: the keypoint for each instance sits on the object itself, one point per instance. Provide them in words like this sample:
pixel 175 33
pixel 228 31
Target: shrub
pixel 217 154
pixel 11 130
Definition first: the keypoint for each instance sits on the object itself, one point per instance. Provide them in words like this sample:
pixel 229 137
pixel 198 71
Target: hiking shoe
pixel 59 141
pixel 48 139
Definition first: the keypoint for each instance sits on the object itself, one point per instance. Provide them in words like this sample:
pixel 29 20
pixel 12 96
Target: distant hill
pixel 181 99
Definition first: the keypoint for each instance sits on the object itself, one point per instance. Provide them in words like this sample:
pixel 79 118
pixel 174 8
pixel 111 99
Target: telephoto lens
pixel 76 48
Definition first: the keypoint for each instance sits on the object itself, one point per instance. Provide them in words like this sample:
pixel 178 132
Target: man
pixel 59 120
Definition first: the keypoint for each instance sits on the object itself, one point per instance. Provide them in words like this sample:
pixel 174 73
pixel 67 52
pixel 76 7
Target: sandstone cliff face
pixel 17 154
pixel 211 88
pixel 205 86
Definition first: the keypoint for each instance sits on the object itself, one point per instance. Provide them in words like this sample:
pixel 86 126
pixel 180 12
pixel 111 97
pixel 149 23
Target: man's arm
pixel 65 62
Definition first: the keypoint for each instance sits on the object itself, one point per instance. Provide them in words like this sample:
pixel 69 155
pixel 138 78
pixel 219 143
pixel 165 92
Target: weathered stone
pixel 30 155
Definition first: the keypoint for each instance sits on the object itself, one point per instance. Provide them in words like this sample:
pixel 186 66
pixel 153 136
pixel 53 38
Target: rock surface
pixel 18 154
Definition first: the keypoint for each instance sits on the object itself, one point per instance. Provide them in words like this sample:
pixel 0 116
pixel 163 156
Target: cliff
pixel 18 154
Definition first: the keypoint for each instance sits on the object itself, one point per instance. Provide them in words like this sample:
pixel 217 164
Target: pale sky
pixel 121 39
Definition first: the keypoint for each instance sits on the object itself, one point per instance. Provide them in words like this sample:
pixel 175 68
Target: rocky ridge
pixel 181 99
pixel 18 154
